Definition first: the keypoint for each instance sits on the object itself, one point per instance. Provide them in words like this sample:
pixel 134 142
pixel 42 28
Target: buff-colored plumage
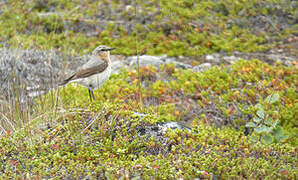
pixel 95 72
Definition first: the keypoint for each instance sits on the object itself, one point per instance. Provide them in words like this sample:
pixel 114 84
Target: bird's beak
pixel 110 49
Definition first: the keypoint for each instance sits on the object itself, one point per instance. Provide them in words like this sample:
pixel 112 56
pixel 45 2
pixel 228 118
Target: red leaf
pixel 13 162
pixel 284 172
pixel 138 166
pixel 155 167
pixel 54 146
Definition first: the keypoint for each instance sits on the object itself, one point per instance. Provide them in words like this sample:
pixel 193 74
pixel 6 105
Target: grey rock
pixel 287 63
pixel 231 59
pixel 164 57
pixel 209 57
pixel 213 58
pixel 285 60
pixel 177 63
pixel 117 65
pixel 163 127
pixel 145 60
pixel 28 68
pixel 202 67
pixel 117 57
pixel 274 57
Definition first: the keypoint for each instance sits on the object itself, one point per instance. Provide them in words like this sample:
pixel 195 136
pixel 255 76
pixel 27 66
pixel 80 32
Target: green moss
pixel 102 138
pixel 225 153
pixel 173 31
pixel 71 137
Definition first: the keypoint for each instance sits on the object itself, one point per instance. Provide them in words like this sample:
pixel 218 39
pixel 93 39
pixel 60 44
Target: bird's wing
pixel 94 66
pixel 94 61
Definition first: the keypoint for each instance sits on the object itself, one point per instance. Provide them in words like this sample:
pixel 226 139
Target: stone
pixel 202 67
pixel 177 63
pixel 117 65
pixel 28 68
pixel 145 60
pixel 213 58
pixel 163 127
pixel 231 59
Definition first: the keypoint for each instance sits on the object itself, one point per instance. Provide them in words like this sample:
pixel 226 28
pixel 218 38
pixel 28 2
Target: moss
pixel 102 139
pixel 71 137
pixel 225 153
pixel 172 28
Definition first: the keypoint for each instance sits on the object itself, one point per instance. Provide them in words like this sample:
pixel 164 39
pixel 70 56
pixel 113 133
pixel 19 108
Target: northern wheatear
pixel 95 72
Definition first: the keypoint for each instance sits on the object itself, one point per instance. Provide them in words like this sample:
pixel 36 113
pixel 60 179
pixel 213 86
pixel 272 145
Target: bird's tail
pixel 65 81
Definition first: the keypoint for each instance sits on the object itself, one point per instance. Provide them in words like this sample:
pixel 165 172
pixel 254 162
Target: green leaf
pixel 256 119
pixel 262 128
pixel 258 130
pixel 267 138
pixel 268 121
pixel 275 123
pixel 261 113
pixel 283 138
pixel 250 124
pixel 272 98
pixel 278 133
pixel 259 106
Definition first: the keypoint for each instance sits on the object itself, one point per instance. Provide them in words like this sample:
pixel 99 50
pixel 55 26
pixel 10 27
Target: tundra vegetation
pixel 241 117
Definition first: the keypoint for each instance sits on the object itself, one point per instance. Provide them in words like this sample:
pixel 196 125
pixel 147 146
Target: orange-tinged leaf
pixel 155 167
pixel 54 146
pixel 284 172
pixel 135 81
pixel 138 166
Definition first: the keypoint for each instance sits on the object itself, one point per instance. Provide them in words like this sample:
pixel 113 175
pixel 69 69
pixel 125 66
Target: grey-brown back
pixel 94 66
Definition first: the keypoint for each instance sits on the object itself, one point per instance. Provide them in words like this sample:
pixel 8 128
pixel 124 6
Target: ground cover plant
pixel 173 27
pixel 237 120
pixel 71 137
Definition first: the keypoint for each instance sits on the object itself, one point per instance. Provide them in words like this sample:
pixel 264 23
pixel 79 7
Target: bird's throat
pixel 105 56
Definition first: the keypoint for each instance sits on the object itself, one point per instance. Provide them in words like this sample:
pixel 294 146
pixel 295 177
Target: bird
pixel 95 72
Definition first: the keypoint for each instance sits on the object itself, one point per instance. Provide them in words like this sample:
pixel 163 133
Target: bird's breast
pixel 98 80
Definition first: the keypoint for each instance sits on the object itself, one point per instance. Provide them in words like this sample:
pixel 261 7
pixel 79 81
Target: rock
pixel 209 57
pixel 117 65
pixel 177 63
pixel 160 128
pixel 214 58
pixel 116 57
pixel 202 67
pixel 28 68
pixel 163 127
pixel 145 60
pixel 231 59
pixel 164 57
pixel 287 63
pixel 274 57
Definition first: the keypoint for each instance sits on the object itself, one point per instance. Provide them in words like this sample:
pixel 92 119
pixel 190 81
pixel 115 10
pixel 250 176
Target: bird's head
pixel 102 50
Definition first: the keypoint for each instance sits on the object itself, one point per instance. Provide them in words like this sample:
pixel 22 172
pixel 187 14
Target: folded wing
pixel 93 66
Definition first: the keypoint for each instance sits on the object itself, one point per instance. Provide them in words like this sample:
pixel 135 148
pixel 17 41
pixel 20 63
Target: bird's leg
pixel 90 97
pixel 93 95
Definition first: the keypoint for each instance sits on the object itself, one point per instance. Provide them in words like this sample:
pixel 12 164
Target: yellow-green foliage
pixel 177 27
pixel 101 139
